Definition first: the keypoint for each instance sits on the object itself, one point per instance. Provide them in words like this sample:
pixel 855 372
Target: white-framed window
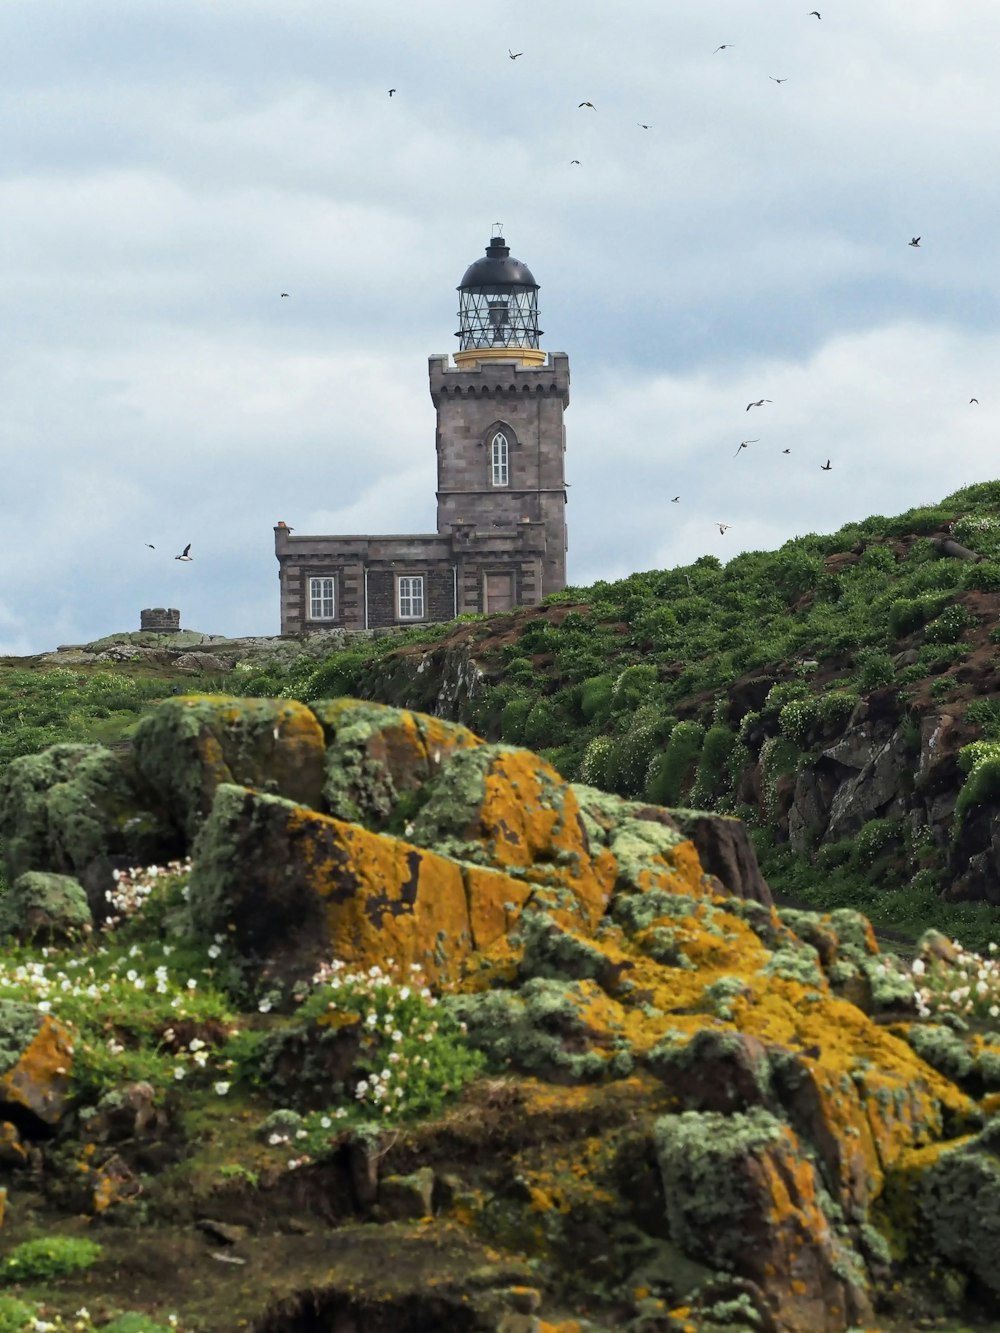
pixel 498 459
pixel 322 602
pixel 410 596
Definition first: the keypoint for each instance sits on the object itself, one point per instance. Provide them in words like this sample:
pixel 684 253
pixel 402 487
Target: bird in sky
pixel 816 12
pixel 973 400
pixel 574 161
pixel 184 554
pixel 744 443
pixel 759 403
pixel 284 293
pixel 724 47
pixel 391 91
pixel 514 54
pixel 724 528
pixel 774 80
pixel 642 126
pixel 825 467
pixel 786 451
pixel 915 241
pixel 590 104
pixel 675 499
pixel 151 546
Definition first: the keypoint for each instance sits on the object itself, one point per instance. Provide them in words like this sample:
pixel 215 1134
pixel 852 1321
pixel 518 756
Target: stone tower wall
pixel 162 619
pixel 527 402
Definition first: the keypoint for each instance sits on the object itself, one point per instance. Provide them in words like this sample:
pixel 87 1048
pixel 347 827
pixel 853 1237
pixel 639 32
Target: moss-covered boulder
pixel 36 1062
pixel 47 908
pixel 742 1196
pixel 379 759
pixel 959 1205
pixel 75 809
pixel 189 747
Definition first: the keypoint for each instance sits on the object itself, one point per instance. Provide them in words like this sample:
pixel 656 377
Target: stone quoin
pixel 501 535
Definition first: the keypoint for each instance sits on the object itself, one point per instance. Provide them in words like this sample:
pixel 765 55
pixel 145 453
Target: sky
pixel 169 168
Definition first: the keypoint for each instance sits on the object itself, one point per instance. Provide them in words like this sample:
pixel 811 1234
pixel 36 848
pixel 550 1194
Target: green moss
pixel 943 1049
pixel 551 951
pixel 19 1024
pixel 959 1203
pixel 45 907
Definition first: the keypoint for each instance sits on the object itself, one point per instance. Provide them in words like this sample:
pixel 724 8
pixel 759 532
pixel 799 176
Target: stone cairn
pixel 163 619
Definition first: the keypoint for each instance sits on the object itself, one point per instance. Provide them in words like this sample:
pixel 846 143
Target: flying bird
pixel 724 47
pixel 151 546
pixel 391 91
pixel 915 241
pixel 774 80
pixel 744 443
pixel 284 293
pixel 973 400
pixel 816 12
pixel 514 54
pixel 724 528
pixel 825 467
pixel 675 499
pixel 184 554
pixel 786 451
pixel 590 104
pixel 759 403
pixel 642 126
pixel 574 162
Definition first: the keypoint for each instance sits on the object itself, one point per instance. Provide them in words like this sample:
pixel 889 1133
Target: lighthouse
pixel 500 443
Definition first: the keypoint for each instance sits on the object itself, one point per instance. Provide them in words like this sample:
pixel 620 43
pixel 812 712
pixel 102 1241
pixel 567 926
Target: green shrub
pixel 712 770
pixel 982 577
pixel 670 773
pixel 513 717
pixel 873 669
pixel 596 761
pixel 797 717
pixel 876 837
pixel 950 625
pixel 630 758
pixel 633 687
pixel 981 762
pixel 48 1257
pixel 520 670
pixel 910 613
pixel 542 726
pixel 595 698
pixel 779 757
pixel 783 692
pixel 985 714
pixel 836 706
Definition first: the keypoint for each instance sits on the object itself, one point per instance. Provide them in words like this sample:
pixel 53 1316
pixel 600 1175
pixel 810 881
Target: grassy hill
pixel 709 685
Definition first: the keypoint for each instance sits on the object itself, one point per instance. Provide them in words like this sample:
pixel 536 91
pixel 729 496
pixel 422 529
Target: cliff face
pixel 665 1105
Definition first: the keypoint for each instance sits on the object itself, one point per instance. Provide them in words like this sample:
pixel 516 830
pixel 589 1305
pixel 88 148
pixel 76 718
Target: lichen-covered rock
pixel 503 807
pixel 71 809
pixel 36 1061
pixel 190 746
pixel 402 1197
pixel 43 907
pixel 717 1070
pixel 292 888
pixel 959 1204
pixel 379 758
pixel 741 1195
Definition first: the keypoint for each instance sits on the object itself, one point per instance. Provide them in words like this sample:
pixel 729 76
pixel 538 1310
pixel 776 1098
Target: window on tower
pixel 499 459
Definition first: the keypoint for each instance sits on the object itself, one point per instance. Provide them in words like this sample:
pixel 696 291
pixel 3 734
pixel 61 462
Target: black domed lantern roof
pixel 498 302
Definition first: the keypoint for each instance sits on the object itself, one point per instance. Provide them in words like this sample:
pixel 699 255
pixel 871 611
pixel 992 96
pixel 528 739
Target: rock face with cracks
pixel 693 1109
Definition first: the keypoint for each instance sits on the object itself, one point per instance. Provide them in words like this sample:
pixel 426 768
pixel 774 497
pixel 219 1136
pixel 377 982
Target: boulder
pixel 378 758
pixel 36 1062
pixel 725 851
pixel 959 1204
pixel 46 908
pixel 190 746
pixel 742 1195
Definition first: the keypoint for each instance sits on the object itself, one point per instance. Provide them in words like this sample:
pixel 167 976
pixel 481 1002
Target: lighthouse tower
pixel 501 442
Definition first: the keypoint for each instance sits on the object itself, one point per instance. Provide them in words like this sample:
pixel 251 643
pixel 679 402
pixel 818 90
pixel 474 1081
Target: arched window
pixel 498 459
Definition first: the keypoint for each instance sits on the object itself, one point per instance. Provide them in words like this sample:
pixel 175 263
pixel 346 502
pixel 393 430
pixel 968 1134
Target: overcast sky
pixel 169 167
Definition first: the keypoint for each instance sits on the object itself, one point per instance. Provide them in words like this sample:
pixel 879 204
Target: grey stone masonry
pixel 163 619
pixel 524 404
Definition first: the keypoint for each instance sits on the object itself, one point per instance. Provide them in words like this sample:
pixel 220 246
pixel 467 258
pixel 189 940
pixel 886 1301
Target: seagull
pixel 284 293
pixel 642 126
pixel 514 54
pixel 786 451
pixel 574 162
pixel 759 403
pixel 774 80
pixel 825 467
pixel 391 91
pixel 675 499
pixel 744 443
pixel 724 528
pixel 590 104
pixel 812 12
pixel 973 400
pixel 151 546
pixel 724 47
pixel 184 554
pixel 915 241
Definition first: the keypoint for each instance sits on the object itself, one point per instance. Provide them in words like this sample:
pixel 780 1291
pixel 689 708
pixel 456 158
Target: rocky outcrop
pixel 683 1081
